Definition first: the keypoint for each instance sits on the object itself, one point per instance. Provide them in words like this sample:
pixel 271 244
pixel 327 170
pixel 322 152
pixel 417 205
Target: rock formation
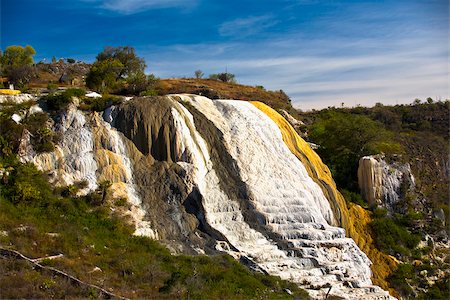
pixel 204 176
pixel 383 183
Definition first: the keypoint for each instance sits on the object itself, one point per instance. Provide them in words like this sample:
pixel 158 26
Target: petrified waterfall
pixel 204 176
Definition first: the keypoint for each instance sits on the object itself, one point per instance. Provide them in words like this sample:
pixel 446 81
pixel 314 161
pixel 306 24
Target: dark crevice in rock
pixel 193 205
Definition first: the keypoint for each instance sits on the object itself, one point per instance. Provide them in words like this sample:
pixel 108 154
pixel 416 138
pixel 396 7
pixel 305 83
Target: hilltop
pixel 66 74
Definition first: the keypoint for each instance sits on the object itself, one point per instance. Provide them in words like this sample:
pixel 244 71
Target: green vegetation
pixel 224 77
pixel 407 275
pixel 120 70
pixel 417 134
pixel 39 222
pixel 16 63
pixel 344 138
pixel 391 234
pixel 11 133
pixel 99 104
pixel 58 101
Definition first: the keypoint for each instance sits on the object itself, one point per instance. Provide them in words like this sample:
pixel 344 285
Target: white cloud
pixel 133 6
pixel 317 76
pixel 244 27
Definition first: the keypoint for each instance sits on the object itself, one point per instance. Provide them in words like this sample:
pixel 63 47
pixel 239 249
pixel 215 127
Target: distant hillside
pixel 60 73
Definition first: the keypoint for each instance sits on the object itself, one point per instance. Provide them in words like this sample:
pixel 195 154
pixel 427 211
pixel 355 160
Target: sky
pixel 320 52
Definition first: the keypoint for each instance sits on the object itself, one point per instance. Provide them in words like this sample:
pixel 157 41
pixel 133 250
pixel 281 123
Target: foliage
pixel 91 235
pixel 406 274
pixel 104 75
pixel 100 103
pixel 115 67
pixel 398 279
pixel 62 100
pixel 42 138
pixel 17 64
pixel 344 138
pixel 141 84
pixel 391 235
pixel 126 55
pixel 198 74
pixel 52 88
pixel 224 77
pixel 353 197
pixel 439 291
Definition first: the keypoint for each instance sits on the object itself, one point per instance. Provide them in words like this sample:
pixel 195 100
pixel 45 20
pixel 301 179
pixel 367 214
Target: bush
pixel 62 100
pixel 399 277
pixel 344 138
pixel 353 197
pixel 225 77
pixel 391 236
pixel 100 104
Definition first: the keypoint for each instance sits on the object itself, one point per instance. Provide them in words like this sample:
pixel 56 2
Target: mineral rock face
pixel 382 183
pixel 206 176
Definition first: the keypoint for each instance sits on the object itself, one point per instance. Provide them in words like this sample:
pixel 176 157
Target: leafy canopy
pixel 344 138
pixel 17 64
pixel 119 70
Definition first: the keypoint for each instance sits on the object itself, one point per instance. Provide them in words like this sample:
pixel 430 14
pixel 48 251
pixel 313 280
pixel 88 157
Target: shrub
pixel 391 236
pixel 353 197
pixel 62 100
pixel 100 104
pixel 225 77
pixel 399 277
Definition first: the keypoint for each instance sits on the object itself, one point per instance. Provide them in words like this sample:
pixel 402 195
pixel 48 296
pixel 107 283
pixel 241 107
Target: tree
pixel 103 75
pixel 225 77
pixel 17 64
pixel 199 74
pixel 114 68
pixel 344 139
pixel 132 64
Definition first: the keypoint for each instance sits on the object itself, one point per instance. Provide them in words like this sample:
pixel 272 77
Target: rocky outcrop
pixel 383 183
pixel 204 176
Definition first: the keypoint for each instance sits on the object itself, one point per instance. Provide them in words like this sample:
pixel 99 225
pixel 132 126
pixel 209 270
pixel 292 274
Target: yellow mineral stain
pixel 9 92
pixel 118 190
pixel 353 218
pixel 110 165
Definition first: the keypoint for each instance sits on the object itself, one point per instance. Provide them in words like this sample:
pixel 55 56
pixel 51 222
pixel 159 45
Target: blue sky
pixel 321 53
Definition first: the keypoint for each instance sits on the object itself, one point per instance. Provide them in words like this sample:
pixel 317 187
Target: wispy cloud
pixel 244 27
pixel 134 6
pixel 322 76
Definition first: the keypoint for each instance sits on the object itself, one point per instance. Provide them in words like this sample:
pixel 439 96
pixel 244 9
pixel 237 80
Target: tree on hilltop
pixel 225 77
pixel 118 69
pixel 17 64
pixel 199 74
pixel 126 55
